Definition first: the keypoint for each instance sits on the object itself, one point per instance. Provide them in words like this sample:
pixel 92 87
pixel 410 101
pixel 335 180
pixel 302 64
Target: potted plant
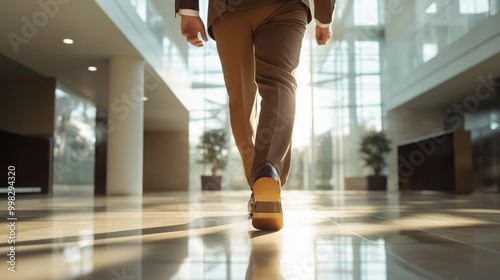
pixel 374 148
pixel 213 147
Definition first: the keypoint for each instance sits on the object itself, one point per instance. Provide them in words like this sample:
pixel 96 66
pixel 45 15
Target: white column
pixel 125 126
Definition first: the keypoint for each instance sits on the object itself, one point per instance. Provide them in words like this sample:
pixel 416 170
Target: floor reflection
pixel 204 237
pixel 265 257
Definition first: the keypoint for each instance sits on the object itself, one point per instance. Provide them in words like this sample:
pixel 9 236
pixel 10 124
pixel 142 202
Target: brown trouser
pixel 259 48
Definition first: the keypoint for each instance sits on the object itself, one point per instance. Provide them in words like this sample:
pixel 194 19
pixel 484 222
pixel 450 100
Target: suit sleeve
pixel 323 10
pixel 186 4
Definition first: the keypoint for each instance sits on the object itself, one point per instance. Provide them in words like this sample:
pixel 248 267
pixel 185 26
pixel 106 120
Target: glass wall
pixel 155 19
pixel 338 98
pixel 434 26
pixel 208 110
pixel 74 140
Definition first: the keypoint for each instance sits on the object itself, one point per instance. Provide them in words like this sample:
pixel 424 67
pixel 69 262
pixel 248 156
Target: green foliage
pixel 214 149
pixel 374 148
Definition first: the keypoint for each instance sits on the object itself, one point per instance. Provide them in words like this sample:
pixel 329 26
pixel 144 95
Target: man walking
pixel 259 44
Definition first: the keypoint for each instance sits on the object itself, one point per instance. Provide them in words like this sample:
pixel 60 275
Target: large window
pixel 474 6
pixel 429 27
pixel 334 110
pixel 366 12
pixel 208 109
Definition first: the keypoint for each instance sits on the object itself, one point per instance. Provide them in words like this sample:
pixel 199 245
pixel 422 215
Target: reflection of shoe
pixel 251 205
pixel 268 214
pixel 265 257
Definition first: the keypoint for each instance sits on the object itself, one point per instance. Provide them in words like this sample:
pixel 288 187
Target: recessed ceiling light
pixel 145 98
pixel 92 68
pixel 68 41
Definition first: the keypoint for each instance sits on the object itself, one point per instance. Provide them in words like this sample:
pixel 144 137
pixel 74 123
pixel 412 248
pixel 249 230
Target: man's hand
pixel 190 27
pixel 322 35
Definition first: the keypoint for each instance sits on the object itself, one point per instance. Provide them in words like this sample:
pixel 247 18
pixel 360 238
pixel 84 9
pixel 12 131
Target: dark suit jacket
pixel 323 9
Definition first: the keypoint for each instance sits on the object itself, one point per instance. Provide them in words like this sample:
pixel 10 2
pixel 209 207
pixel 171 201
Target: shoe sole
pixel 268 214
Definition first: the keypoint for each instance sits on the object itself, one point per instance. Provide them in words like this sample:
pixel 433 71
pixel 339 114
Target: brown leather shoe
pixel 267 214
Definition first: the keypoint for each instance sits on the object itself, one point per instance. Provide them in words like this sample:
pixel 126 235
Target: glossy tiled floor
pixel 208 236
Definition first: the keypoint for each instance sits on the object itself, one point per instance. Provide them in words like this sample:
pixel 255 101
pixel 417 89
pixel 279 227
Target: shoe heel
pixel 268 214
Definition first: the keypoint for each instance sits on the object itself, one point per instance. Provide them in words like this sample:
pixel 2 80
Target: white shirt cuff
pixel 322 25
pixel 188 12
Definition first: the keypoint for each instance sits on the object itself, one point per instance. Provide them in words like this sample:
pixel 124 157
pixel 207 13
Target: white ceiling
pixel 96 40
